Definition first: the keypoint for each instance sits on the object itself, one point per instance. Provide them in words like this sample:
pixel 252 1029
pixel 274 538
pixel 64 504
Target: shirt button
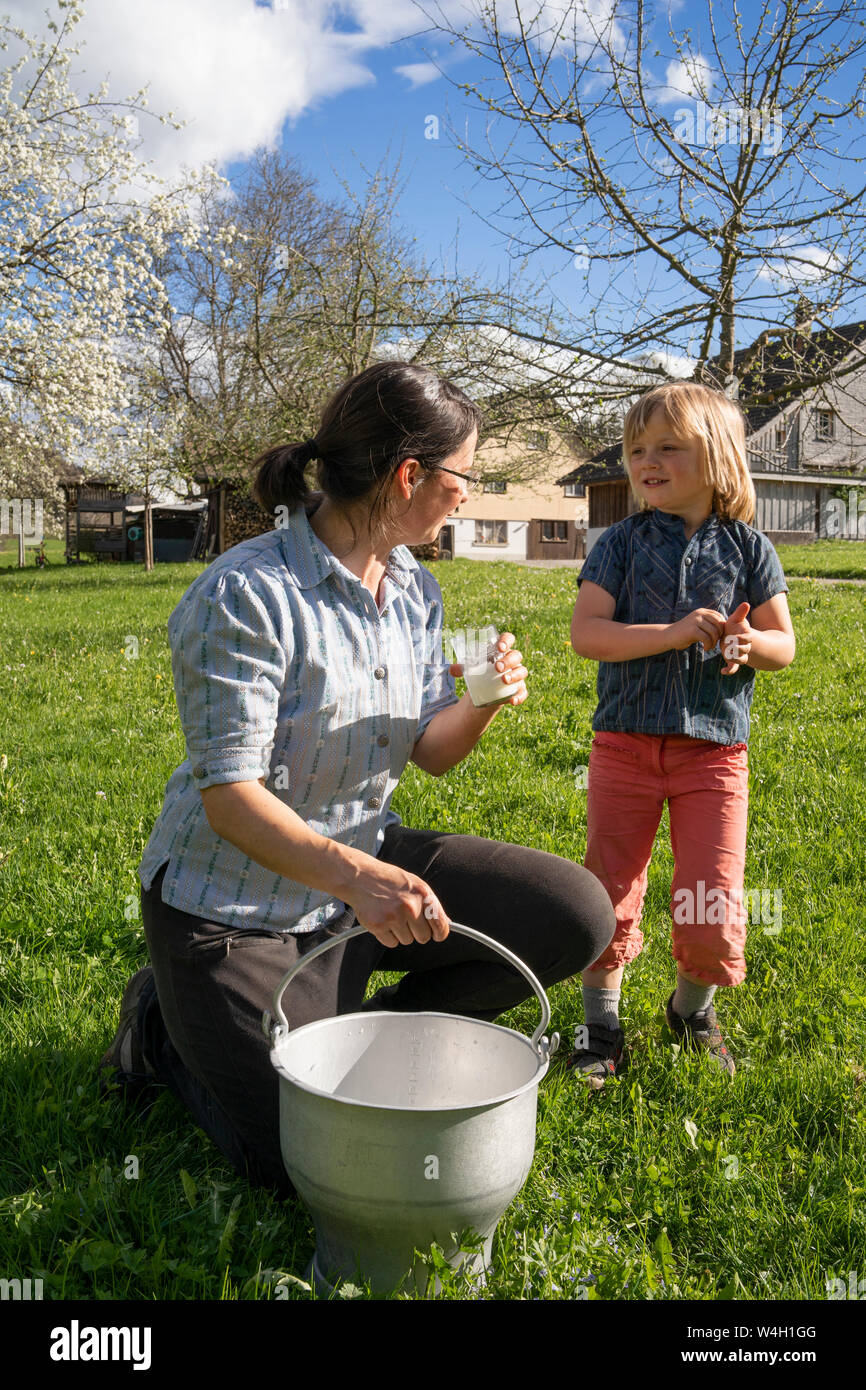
pixel 199 770
pixel 374 802
pixel 383 740
pixel 379 673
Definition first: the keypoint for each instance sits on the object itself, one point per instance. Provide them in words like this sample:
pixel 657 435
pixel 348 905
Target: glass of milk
pixel 476 650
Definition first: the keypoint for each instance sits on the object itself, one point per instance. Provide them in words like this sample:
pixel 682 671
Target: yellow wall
pixel 539 500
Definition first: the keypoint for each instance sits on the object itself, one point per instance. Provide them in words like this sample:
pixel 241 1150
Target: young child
pixel 679 604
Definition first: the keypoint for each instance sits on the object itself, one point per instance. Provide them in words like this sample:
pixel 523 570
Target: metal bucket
pixel 401 1129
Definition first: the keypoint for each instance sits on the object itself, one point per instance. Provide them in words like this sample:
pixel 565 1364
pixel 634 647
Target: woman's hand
pixel 396 906
pixel 510 663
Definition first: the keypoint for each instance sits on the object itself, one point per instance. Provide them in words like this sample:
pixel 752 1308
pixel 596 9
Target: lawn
pixel 673 1183
pixel 833 559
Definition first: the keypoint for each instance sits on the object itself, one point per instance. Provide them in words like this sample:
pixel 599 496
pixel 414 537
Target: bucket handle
pixel 275 1032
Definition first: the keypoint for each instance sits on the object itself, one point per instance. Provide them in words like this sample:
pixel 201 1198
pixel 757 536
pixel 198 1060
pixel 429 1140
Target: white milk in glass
pixel 477 652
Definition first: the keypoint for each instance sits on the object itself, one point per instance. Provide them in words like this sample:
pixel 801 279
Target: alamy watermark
pixel 20 1289
pixel 77 1343
pixel 716 907
pixel 850 525
pixel 727 125
pixel 22 516
pixel 855 1288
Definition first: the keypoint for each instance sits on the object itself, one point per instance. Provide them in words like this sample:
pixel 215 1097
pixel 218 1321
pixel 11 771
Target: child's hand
pixel 737 640
pixel 702 625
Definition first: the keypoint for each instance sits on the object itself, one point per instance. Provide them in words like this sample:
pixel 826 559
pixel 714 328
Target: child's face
pixel 666 469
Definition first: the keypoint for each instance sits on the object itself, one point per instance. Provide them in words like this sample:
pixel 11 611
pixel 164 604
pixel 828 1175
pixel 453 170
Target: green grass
pixel 761 1194
pixel 55 549
pixel 828 559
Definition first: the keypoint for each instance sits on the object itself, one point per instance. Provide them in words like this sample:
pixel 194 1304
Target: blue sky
pixel 340 83
pixel 338 137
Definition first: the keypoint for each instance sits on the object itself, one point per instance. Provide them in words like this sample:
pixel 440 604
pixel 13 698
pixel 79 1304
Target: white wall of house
pixel 592 535
pixel 466 547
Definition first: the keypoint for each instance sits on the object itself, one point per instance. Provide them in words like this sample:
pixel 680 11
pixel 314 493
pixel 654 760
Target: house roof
pixel 770 373
pixel 603 467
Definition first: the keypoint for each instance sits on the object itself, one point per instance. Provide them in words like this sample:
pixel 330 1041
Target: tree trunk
pixel 148 534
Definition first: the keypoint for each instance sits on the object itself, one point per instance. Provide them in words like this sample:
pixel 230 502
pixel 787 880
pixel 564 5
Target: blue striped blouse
pixel 285 667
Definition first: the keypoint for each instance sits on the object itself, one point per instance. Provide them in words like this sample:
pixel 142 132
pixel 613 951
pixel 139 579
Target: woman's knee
pixel 574 906
pixel 583 906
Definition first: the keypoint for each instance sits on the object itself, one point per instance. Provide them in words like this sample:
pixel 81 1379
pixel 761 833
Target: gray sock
pixel 601 1006
pixel 691 999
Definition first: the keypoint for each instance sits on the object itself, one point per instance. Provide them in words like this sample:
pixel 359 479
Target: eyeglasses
pixel 469 480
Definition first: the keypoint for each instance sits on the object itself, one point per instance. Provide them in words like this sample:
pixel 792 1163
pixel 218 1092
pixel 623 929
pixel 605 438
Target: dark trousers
pixel 201 1028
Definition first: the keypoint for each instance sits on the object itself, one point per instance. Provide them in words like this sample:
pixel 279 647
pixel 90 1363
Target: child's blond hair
pixel 697 412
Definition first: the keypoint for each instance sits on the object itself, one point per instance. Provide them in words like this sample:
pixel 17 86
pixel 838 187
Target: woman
pixel 308 671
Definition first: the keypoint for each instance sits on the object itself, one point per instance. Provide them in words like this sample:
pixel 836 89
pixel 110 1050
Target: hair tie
pixel 311 450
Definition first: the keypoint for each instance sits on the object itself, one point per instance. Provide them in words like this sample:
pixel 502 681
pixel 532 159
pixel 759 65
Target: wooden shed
pixel 105 521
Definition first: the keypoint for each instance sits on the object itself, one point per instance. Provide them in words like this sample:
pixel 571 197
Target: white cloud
pixel 235 70
pixel 797 265
pixel 419 74
pixel 491 357
pixel 689 79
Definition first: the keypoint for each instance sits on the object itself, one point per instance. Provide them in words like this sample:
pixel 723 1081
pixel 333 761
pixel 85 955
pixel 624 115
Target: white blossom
pixel 81 304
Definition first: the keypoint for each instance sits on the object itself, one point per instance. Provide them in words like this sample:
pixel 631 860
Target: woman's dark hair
pixel 389 412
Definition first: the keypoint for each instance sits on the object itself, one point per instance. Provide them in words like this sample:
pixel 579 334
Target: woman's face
pixel 438 493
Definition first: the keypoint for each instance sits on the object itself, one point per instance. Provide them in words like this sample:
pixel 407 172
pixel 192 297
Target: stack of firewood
pixel 244 518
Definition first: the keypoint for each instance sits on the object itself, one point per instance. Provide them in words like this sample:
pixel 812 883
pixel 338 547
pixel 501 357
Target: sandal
pixel 603 1056
pixel 701 1030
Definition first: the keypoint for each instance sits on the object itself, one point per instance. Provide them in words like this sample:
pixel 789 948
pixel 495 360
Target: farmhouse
pixel 536 519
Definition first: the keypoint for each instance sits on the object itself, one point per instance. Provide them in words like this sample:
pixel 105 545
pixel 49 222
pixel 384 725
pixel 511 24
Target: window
pixel 554 530
pixel 491 533
pixel 575 489
pixel 495 485
pixel 536 439
pixel 781 438
pixel 825 424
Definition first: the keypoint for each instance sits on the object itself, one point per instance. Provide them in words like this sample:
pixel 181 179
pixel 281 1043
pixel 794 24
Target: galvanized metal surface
pixel 402 1129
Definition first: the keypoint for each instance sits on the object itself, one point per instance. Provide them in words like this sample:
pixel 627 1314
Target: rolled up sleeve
pixel 229 667
pixel 605 564
pixel 438 689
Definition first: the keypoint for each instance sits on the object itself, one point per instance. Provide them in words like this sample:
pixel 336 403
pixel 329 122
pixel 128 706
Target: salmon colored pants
pixel 706 786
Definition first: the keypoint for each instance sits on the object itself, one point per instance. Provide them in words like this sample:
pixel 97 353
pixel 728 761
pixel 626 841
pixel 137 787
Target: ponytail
pixel 280 479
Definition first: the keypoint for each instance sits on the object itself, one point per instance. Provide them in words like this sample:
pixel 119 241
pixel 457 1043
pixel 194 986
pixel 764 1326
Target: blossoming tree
pixel 83 221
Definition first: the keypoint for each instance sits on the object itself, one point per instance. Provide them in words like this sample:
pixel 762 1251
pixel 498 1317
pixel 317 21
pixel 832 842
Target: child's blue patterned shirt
pixel 657 576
